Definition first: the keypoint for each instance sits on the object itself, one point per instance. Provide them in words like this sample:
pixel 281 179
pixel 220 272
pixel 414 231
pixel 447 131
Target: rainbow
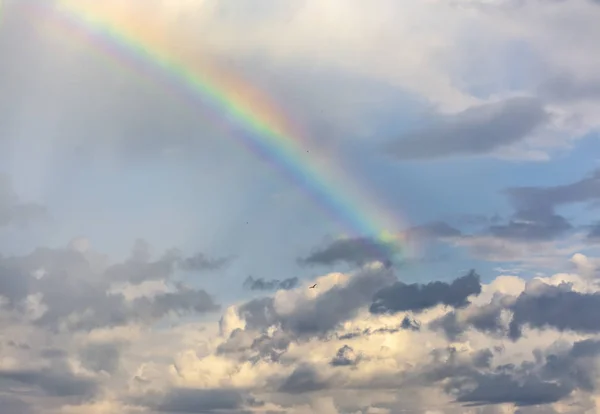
pixel 135 41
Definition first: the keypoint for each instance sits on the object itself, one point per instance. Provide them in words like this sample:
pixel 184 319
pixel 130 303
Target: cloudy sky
pixel 150 262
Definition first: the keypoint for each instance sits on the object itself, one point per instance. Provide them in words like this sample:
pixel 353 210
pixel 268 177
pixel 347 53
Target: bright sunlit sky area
pixel 299 206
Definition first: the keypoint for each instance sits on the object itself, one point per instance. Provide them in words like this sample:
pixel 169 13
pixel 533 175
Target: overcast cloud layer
pixel 151 262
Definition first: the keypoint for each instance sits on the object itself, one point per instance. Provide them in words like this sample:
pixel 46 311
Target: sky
pixel 157 245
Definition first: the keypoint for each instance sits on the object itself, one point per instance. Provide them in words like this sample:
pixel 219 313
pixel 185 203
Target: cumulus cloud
pixel 301 315
pixel 364 331
pixel 48 276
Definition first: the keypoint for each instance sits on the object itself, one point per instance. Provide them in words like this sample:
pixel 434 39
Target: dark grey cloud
pixel 195 401
pixel 356 251
pixel 248 346
pixel 323 313
pixel 557 307
pixel 503 388
pixel 543 306
pixel 14 405
pixel 15 284
pixel 541 224
pixel 336 305
pixel 71 284
pixel 594 233
pixel 18 345
pixel 200 262
pixel 549 378
pixel 401 297
pixel 567 88
pixel 53 353
pixel 345 357
pixel 407 324
pixel 275 284
pixel 535 217
pixel 486 318
pixel 584 190
pixel 53 381
pixel 140 267
pixel 305 378
pixel 553 374
pixel 361 250
pixel 477 130
pixel 184 299
pixel 101 357
pixel 15 211
pixel 258 313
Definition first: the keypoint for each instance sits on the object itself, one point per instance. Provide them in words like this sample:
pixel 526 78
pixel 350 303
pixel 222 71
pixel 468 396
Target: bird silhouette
pixel 313 286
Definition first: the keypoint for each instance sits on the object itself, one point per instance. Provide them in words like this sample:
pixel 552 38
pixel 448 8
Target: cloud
pixel 541 305
pixel 13 210
pixel 401 297
pixel 584 190
pixel 537 234
pixel 334 305
pixel 101 357
pixel 291 349
pixel 475 131
pixel 304 379
pixel 359 251
pixel 594 233
pixel 54 382
pixel 486 318
pixel 550 378
pixel 406 324
pixel 433 230
pixel 559 307
pixel 541 224
pixel 345 356
pixel 48 276
pixel 199 262
pixel 192 401
pixel 140 267
pixel 436 69
pixel 275 284
pixel 14 405
pixel 567 88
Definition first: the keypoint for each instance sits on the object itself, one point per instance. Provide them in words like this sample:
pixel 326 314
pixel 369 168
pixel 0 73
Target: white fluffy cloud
pixel 446 347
